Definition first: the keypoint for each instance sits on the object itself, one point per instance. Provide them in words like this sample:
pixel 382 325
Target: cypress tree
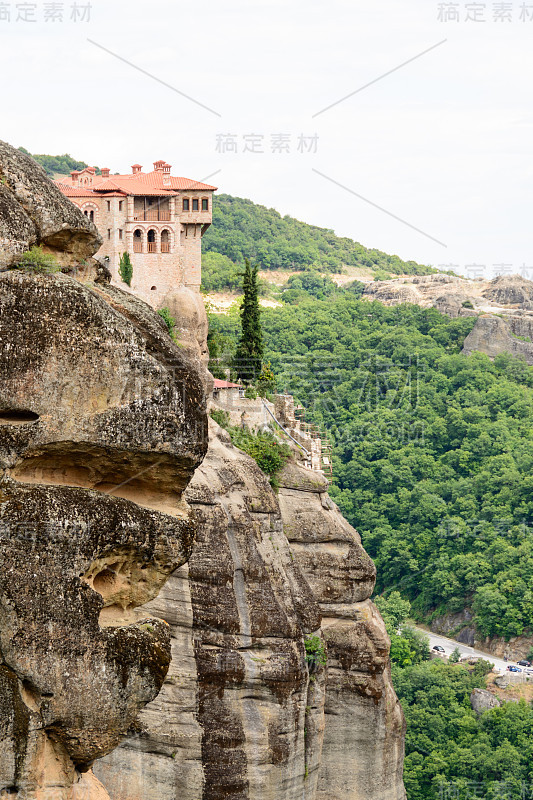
pixel 125 268
pixel 249 355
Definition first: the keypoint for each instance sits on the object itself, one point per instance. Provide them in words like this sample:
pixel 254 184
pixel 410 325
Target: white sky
pixel 444 142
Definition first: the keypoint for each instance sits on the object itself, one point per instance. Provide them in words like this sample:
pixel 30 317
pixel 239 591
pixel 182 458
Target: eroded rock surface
pixel 494 335
pixel 102 424
pixel 362 756
pixel 34 211
pixel 242 717
pixel 246 704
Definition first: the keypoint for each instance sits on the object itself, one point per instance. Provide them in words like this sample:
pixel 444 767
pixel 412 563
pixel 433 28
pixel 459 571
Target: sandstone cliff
pixel 154 609
pixel 244 716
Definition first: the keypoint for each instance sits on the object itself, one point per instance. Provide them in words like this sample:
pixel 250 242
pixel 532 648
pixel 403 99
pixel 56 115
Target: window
pixel 109 233
pixel 186 203
pixel 137 241
pixel 120 233
pixel 109 205
pixel 205 205
pixel 241 391
pixel 152 243
pixel 91 216
pixel 120 204
pixel 195 205
pixel 165 241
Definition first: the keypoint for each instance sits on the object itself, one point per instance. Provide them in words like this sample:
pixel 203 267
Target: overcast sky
pixel 441 146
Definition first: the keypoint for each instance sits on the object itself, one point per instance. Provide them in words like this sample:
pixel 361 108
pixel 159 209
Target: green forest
pixel 452 753
pixel 242 229
pixel 57 165
pixel 433 455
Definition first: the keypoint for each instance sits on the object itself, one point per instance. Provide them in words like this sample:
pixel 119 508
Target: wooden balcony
pixel 151 215
pixel 137 247
pixel 165 247
pixel 152 247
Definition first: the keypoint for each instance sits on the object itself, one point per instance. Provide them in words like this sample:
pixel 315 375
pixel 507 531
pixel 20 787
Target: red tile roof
pixel 154 183
pixel 218 384
pixel 75 191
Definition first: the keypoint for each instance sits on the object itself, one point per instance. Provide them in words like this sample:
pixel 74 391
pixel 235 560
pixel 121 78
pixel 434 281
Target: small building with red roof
pixel 158 218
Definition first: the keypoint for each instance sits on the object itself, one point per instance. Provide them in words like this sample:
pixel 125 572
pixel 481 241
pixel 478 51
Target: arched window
pixel 137 241
pixel 152 242
pixel 165 241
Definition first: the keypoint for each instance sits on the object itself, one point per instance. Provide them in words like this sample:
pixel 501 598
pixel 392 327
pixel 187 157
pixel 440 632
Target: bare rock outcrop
pixel 245 718
pixel 34 211
pixel 362 757
pixel 241 713
pixel 481 700
pixel 510 290
pixel 493 335
pixel 102 424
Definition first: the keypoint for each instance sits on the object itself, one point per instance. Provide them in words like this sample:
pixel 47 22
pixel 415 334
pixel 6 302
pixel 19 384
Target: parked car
pixel 512 668
pixel 524 663
pixel 438 648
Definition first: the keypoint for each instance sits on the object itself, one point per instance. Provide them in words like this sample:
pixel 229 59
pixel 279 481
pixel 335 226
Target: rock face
pixel 102 424
pixel 243 716
pixel 362 757
pixel 240 611
pixel 34 211
pixel 172 670
pixel 481 700
pixel 458 625
pixel 494 335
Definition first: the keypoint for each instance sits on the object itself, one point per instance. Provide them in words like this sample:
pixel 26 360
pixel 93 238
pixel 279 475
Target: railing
pixel 165 247
pixel 152 247
pixel 154 215
pixel 137 247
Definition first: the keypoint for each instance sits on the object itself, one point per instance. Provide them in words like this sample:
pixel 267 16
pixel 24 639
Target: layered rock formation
pixel 495 334
pixel 455 296
pixel 240 611
pixel 362 755
pixel 102 424
pixel 242 714
pixel 172 670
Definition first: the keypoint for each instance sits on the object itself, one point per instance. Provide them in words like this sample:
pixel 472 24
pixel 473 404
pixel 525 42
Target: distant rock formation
pixel 481 700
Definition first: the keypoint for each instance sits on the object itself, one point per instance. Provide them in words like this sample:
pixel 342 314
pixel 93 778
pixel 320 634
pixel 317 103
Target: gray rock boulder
pixel 34 211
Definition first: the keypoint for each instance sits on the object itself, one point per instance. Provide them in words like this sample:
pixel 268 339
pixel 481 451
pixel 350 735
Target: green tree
pixel 266 382
pixel 455 656
pixel 125 268
pixel 249 355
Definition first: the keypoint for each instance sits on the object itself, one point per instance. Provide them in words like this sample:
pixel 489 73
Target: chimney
pixel 92 170
pixel 74 175
pixel 167 180
pixel 158 165
pixel 136 168
pixel 105 172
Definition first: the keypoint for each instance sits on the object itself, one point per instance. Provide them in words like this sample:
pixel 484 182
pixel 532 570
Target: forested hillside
pixel 57 165
pixel 433 450
pixel 242 229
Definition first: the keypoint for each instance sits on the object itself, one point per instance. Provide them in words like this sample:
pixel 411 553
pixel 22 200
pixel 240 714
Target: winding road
pixel 450 645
